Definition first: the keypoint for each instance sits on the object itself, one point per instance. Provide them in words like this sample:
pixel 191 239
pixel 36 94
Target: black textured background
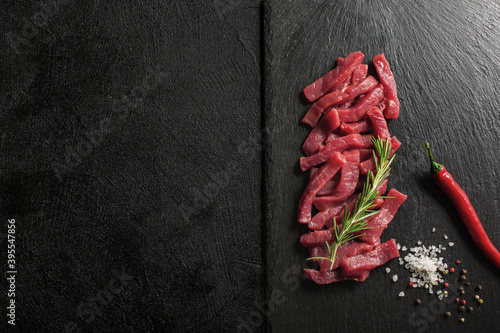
pixel 131 162
pixel 131 159
pixel 445 57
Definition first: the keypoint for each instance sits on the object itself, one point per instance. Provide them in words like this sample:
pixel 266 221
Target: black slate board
pixel 445 57
pixel 119 123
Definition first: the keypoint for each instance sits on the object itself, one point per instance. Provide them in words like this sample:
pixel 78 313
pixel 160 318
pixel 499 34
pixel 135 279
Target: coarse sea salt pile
pixel 426 266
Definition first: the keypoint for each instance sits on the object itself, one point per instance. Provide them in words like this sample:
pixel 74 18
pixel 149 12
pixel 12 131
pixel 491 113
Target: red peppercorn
pixel 458 262
pixel 411 283
pixel 452 270
pixel 463 302
pixel 457 299
pixel 446 285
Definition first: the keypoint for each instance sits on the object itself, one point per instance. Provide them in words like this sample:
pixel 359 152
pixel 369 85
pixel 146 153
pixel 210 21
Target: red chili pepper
pixel 465 209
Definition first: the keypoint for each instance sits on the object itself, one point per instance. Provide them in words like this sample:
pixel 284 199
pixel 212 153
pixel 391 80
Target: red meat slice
pixel 318 237
pixel 361 263
pixel 327 171
pixel 332 137
pixel 316 110
pixel 359 74
pixel 320 132
pixel 387 78
pixel 326 217
pixel 367 140
pixel 365 153
pixel 337 145
pixel 333 79
pixel 362 106
pixel 333 276
pixel 348 179
pixel 369 164
pixel 379 222
pixel 379 124
pixel 330 185
pixel 365 86
pixel 345 250
pixel 362 126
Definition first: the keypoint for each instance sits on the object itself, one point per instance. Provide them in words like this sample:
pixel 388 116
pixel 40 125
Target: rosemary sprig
pixel 356 221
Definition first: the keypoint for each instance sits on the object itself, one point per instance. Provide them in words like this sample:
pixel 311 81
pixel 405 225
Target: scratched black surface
pixel 131 162
pixel 445 57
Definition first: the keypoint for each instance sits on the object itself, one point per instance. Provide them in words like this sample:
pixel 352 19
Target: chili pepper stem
pixel 435 167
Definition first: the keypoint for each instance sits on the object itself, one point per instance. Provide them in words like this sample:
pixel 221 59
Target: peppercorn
pixel 480 301
pixel 462 320
pixel 452 270
pixel 479 287
pixel 467 284
pixel 418 301
pixel 464 271
pixel 445 272
pixel 460 288
pixel 463 277
pixel 446 293
pixel 463 302
pixel 446 284
pixel 462 308
pixel 457 300
pixel 411 283
pixel 471 309
pixel 476 297
pixel 458 262
pixel 462 292
pixel 447 314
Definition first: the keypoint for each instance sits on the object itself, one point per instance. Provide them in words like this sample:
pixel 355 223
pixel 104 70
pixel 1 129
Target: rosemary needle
pixel 356 221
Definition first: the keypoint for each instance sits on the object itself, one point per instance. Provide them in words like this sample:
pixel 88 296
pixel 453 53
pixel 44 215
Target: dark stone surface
pixel 445 57
pixel 131 163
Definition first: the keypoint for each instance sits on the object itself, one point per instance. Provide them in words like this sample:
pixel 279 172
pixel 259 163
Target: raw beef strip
pixel 364 87
pixel 353 92
pixel 348 179
pixel 320 132
pixel 318 237
pixel 333 79
pixel 333 276
pixel 347 249
pixel 387 78
pixel 369 164
pixel 337 145
pixel 365 153
pixel 324 174
pixel 379 124
pixel 381 220
pixel 362 106
pixel 367 140
pixel 362 126
pixel 359 74
pixel 329 186
pixel 348 93
pixel 316 110
pixel 359 264
pixel 320 219
pixel 332 137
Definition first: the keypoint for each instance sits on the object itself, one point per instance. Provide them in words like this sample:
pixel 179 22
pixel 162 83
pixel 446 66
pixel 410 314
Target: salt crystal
pixel 404 248
pixel 445 237
pixel 387 270
pixel 433 229
pixel 451 244
pixel 401 294
pixel 399 246
pixel 395 278
pixel 419 243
